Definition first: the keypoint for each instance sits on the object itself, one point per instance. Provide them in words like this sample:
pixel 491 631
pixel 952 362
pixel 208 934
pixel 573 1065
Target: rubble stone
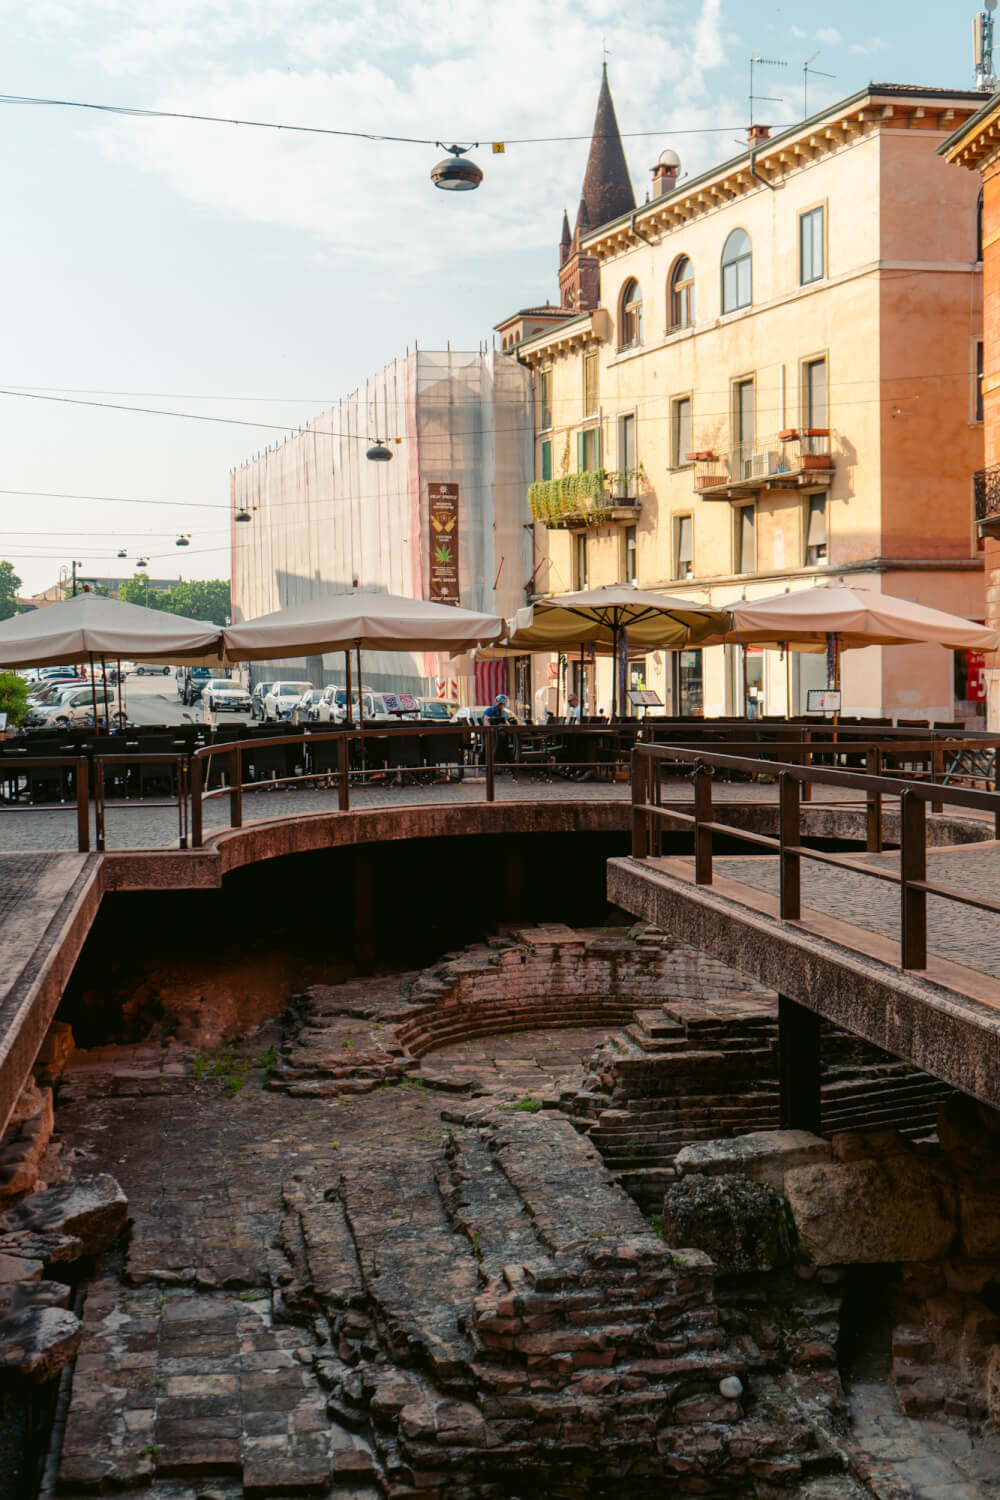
pixel 737 1222
pixel 93 1210
pixel 763 1155
pixel 896 1208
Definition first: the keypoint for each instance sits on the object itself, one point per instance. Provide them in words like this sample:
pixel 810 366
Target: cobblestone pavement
pixel 954 931
pixel 150 826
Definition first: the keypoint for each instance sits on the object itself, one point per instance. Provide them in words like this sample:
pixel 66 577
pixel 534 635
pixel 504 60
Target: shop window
pixel 688 684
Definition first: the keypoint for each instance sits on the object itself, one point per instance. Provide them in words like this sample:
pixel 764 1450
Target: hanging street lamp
pixel 378 453
pixel 454 173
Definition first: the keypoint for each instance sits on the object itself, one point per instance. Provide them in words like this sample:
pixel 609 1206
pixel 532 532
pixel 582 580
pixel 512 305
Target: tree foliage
pixel 13 697
pixel 10 586
pixel 198 598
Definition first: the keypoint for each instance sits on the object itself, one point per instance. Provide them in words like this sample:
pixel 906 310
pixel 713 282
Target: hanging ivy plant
pixel 585 493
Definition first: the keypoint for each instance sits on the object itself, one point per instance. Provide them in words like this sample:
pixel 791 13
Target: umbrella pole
pixel 559 670
pixel 121 694
pixel 349 712
pixel 746 688
pixel 93 689
pixel 788 682
pixel 104 679
pixel 361 695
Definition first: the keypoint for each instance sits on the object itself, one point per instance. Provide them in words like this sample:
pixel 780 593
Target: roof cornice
pixel 976 138
pixel 589 328
pixel 864 113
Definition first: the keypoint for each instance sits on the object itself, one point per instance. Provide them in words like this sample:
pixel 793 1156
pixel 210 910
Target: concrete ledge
pixel 953 1035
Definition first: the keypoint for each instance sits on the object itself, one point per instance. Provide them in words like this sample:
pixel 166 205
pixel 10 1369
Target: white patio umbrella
pixel 362 621
pixel 89 626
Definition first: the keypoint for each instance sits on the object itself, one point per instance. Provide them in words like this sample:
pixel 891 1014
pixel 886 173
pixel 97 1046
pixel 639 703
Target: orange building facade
pixel 976 146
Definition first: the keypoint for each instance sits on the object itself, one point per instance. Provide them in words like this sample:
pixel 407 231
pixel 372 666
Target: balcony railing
pixel 986 488
pixel 591 497
pixel 791 459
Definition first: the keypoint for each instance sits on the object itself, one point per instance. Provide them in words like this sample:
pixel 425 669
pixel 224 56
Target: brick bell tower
pixel 607 193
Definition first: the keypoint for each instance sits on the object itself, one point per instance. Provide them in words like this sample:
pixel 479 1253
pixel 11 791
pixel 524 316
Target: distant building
pixel 771 378
pixel 64 588
pixel 324 516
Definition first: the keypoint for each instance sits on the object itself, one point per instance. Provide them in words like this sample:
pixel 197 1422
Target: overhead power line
pixel 357 135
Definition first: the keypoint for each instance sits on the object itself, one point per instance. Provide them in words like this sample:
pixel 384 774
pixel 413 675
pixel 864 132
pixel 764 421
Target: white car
pixel 257 697
pixel 150 667
pixel 283 698
pixel 77 707
pixel 222 692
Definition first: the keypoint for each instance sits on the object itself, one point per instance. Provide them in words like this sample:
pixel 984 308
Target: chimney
pixel 666 173
pixel 756 134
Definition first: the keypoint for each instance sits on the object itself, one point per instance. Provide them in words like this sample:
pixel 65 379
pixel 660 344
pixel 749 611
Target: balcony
pixel 794 459
pixel 986 488
pixel 593 497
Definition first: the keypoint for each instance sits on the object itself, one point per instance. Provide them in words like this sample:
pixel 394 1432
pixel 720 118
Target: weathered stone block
pixel 91 1209
pixel 737 1222
pixel 896 1208
pixel 763 1155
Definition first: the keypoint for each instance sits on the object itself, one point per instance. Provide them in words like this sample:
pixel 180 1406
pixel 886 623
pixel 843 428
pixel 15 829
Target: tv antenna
pixel 982 47
pixel 756 61
pixel 807 68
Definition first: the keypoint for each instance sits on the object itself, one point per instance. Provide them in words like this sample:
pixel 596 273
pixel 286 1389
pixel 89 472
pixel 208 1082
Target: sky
pixel 257 276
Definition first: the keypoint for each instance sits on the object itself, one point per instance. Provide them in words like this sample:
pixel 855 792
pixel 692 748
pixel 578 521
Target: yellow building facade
pixel 779 386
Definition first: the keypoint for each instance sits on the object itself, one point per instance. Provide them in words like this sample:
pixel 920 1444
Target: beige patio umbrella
pixel 804 618
pixel 617 618
pixel 848 618
pixel 360 620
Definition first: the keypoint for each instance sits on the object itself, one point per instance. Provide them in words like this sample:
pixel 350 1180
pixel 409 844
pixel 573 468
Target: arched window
pixel 737 275
pixel 979 226
pixel 682 294
pixel 630 322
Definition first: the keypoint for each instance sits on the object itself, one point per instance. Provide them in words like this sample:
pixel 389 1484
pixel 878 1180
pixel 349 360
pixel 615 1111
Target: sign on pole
pixel 442 501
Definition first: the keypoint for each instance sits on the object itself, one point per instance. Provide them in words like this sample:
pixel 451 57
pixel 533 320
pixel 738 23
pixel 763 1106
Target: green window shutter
pixel 581 453
pixel 598 448
pixel 546 460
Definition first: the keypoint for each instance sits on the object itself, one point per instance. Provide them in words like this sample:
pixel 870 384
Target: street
pixel 154 700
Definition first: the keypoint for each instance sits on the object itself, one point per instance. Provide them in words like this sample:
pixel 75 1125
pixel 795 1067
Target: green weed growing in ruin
pixel 528 1105
pixel 656 1224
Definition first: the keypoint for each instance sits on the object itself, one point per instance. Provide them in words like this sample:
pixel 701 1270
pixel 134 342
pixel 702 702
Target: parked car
pixel 223 692
pixel 191 680
pixel 149 668
pixel 436 708
pixel 283 698
pixel 77 707
pixel 257 699
pixel 59 674
pixel 473 715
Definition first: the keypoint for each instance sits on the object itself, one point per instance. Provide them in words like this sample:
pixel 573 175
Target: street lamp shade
pixel 184 540
pixel 454 173
pixel 242 514
pixel 141 562
pixel 122 552
pixel 378 453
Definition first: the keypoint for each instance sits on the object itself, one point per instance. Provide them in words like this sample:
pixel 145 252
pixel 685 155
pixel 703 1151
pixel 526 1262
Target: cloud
pixel 830 35
pixel 868 49
pixel 470 72
pixel 799 34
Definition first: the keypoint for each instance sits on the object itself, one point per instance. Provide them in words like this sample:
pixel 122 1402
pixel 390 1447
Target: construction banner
pixel 442 504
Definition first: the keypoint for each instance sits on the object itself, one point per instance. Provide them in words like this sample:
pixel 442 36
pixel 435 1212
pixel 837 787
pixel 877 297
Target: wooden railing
pixel 650 815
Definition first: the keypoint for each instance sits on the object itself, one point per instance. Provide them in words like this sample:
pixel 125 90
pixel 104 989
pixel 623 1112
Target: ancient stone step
pixel 656 1046
pixel 419 1273
pixel 481 1204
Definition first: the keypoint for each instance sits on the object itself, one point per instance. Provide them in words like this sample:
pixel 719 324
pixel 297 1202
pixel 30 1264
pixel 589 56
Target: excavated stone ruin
pixel 423 1239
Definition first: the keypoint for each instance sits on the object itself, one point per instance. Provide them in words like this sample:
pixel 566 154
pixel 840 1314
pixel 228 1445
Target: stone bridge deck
pixel 841 959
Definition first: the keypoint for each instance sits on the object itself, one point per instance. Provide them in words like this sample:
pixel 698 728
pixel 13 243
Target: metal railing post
pixel 789 837
pixel 873 767
pixel 702 815
pixel 640 792
pixel 344 771
pixel 83 805
pixel 937 773
pixel 196 808
pixel 912 867
pixel 236 790
pixel 489 747
pixel 99 829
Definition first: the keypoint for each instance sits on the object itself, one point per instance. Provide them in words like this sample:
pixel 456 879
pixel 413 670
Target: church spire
pixel 565 239
pixel 607 187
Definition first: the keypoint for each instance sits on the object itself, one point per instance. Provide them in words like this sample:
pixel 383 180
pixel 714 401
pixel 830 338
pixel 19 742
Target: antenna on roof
pixel 982 47
pixel 807 68
pixel 756 61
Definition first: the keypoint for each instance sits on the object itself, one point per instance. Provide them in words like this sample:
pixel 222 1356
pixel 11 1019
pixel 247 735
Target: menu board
pixel 442 505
